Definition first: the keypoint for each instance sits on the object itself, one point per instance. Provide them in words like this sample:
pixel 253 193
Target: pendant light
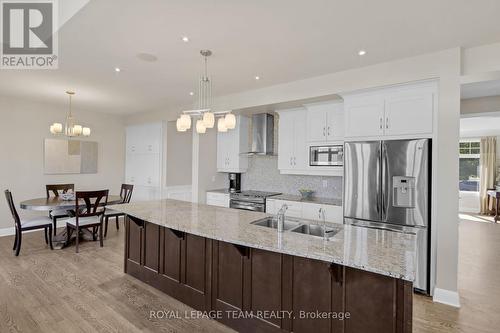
pixel 230 121
pixel 204 115
pixel 71 128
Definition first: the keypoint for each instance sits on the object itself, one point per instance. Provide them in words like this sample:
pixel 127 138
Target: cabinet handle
pixel 328 130
pixel 387 122
pixel 324 131
pixel 381 120
pixel 295 161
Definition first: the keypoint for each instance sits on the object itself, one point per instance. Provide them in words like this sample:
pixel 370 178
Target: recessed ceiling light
pixel 117 69
pixel 185 39
pixel 361 52
pixel 257 77
pixel 191 93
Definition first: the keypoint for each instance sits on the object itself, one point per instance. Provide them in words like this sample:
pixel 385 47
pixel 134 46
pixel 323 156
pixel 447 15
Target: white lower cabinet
pixel 306 210
pixel 218 199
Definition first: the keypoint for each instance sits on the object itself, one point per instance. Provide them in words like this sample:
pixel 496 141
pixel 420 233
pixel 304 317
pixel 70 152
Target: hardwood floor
pixel 61 291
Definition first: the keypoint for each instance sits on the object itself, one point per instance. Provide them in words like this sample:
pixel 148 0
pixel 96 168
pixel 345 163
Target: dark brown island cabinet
pixel 263 291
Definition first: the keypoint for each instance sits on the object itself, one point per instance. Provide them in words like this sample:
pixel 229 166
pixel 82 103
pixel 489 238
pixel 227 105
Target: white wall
pixel 179 156
pixel 23 127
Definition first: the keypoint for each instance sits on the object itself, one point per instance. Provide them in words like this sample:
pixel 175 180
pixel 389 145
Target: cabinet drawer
pixel 218 199
pixel 334 214
pixel 294 208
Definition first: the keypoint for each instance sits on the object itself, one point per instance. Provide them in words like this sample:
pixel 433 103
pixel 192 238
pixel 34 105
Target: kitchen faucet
pixel 281 217
pixel 321 214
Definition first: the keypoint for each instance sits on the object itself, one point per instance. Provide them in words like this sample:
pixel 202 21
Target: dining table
pixel 58 203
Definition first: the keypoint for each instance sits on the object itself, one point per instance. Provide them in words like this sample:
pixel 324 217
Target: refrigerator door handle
pixel 385 181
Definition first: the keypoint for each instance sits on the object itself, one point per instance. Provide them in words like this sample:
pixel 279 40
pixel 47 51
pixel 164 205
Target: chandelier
pixel 204 115
pixel 71 128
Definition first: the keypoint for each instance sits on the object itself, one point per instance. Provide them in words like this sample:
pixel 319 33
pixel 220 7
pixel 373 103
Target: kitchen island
pixel 254 279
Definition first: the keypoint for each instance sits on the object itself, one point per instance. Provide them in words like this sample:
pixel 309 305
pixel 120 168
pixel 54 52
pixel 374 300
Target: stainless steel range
pixel 250 200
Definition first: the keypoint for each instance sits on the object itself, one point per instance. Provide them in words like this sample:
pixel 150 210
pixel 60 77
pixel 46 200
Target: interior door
pixel 362 183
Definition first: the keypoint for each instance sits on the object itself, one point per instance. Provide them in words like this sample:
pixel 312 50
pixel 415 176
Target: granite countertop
pixel 221 190
pixel 379 251
pixel 316 200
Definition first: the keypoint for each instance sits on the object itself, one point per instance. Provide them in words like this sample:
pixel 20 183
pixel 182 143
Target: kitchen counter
pixel 315 200
pixel 221 190
pixel 379 251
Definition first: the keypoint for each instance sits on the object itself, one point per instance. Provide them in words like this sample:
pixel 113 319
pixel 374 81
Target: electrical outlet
pixel 325 183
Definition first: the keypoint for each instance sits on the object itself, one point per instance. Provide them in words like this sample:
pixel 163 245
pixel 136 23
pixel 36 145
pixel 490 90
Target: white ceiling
pixel 280 40
pixel 480 89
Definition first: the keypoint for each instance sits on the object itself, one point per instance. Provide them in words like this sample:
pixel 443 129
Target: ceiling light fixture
pixel 185 39
pixel 118 70
pixel 71 129
pixel 257 78
pixel 191 93
pixel 361 52
pixel 204 115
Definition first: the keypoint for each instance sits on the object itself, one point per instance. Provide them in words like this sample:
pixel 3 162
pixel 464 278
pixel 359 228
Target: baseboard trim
pixel 7 231
pixel 447 297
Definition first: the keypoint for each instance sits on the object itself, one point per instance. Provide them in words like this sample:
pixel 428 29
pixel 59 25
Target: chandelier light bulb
pixel 51 129
pixel 186 121
pixel 230 121
pixel 200 127
pixel 209 119
pixel 221 125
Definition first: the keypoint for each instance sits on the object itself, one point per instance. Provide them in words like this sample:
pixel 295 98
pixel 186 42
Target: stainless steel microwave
pixel 326 155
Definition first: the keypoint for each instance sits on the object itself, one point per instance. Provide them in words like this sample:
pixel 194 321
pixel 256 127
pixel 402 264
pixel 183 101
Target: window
pixel 469 165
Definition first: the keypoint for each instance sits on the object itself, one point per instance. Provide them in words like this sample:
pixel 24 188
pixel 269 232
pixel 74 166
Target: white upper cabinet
pixel 292 150
pixel 364 116
pixel 409 113
pixel 325 122
pixel 231 145
pixel 403 111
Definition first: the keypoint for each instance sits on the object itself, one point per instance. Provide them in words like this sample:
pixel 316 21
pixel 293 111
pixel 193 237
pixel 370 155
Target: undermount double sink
pixel 297 226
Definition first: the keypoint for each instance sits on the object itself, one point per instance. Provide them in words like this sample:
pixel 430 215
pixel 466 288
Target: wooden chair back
pixel 126 192
pixel 94 203
pixel 12 207
pixel 55 188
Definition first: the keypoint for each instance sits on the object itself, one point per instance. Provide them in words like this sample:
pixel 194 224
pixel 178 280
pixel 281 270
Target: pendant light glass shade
pixel 86 131
pixel 77 129
pixel 57 127
pixel 230 121
pixel 221 125
pixel 200 127
pixel 209 119
pixel 179 126
pixel 186 121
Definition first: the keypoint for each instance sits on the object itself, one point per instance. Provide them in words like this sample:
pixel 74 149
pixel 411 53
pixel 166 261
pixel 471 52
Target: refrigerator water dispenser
pixel 403 191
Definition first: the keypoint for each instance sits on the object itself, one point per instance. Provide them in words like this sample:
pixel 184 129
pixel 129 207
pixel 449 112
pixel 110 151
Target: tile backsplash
pixel 263 175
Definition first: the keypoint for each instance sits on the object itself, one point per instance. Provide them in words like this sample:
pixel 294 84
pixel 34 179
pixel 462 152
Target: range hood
pixel 262 134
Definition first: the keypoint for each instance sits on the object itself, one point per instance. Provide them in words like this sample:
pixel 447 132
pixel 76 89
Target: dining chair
pixel 126 195
pixel 38 222
pixel 56 189
pixel 90 215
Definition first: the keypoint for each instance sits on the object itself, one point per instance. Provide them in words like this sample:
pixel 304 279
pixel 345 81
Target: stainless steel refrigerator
pixel 387 186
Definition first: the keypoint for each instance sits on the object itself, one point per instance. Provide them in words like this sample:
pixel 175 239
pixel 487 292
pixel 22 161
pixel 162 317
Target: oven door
pixel 253 206
pixel 326 155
